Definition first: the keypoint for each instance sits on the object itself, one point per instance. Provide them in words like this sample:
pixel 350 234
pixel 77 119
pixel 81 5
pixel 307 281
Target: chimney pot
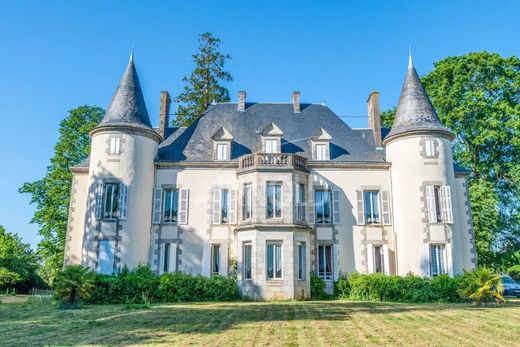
pixel 296 102
pixel 241 101
pixel 164 113
pixel 374 116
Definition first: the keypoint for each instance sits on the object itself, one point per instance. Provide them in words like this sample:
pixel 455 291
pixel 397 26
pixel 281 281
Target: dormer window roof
pixel 272 129
pixel 320 145
pixel 222 144
pixel 321 135
pixel 271 138
pixel 222 135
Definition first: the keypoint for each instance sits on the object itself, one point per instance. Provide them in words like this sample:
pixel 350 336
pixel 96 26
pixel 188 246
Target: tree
pixel 18 263
pixel 73 283
pixel 481 285
pixel 51 194
pixel 204 84
pixel 477 96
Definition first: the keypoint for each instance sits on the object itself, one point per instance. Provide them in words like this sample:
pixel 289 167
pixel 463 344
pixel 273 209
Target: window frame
pixel 275 203
pixel 215 263
pixel 321 203
pixel 301 252
pixel 173 217
pixel 440 263
pixel 275 245
pixel 224 206
pixel 114 201
pixel 320 154
pixel 438 201
pixel 247 211
pixel 369 219
pixel 300 202
pixel 429 148
pixel 221 151
pixel 114 145
pixel 271 141
pixel 247 261
pixel 326 275
pixel 381 258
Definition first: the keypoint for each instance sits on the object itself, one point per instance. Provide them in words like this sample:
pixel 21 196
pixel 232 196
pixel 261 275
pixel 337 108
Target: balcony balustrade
pixel 273 161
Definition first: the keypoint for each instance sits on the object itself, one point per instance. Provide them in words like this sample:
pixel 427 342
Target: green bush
pixel 317 287
pixel 72 284
pixel 445 288
pixel 178 286
pixel 514 272
pixel 481 286
pixel 342 287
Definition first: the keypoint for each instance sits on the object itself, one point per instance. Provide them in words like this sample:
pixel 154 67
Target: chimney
pixel 374 116
pixel 296 102
pixel 164 113
pixel 241 101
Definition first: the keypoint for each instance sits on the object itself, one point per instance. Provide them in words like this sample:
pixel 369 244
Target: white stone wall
pixel 76 221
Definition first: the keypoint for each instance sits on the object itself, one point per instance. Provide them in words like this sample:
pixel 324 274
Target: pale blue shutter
pixel 336 207
pixel 123 201
pixel 98 205
pixel 233 206
pixel 446 204
pixel 215 206
pixel 360 208
pixel 385 207
pixel 183 206
pixel 157 205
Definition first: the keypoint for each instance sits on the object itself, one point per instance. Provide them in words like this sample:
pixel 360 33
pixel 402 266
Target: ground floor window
pixel 274 260
pixel 301 261
pixel 437 260
pixel 106 257
pixel 379 260
pixel 247 261
pixel 325 262
pixel 215 260
pixel 166 255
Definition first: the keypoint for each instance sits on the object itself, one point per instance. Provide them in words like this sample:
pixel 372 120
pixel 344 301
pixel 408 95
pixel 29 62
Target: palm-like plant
pixel 74 282
pixel 481 286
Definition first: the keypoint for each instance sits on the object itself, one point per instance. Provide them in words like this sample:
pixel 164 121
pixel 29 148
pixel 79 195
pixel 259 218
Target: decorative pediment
pixel 321 135
pixel 222 135
pixel 272 129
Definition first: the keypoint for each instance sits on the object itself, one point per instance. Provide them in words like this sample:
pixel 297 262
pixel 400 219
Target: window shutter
pixel 206 259
pixel 215 208
pixel 425 260
pixel 386 260
pixel 123 200
pixel 310 208
pixel 173 258
pixel 224 259
pixel 106 257
pixel 430 203
pixel 232 206
pixel 157 206
pixel 162 248
pixel 385 207
pixel 370 258
pixel 296 199
pixel 335 262
pixel 183 206
pixel 446 204
pixel 336 210
pixel 99 200
pixel 360 208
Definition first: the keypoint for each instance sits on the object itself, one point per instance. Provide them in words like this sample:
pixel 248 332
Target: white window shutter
pixel 385 207
pixel 296 199
pixel 232 206
pixel 446 204
pixel 425 260
pixel 336 207
pixel 99 200
pixel 173 258
pixel 310 208
pixel 206 259
pixel 183 205
pixel 157 206
pixel 370 258
pixel 215 206
pixel 224 259
pixel 123 201
pixel 430 203
pixel 360 208
pixel 335 262
pixel 162 248
pixel 386 260
pixel 106 257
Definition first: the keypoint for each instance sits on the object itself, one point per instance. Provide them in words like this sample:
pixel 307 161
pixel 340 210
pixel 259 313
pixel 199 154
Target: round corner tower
pixel 419 148
pixel 121 178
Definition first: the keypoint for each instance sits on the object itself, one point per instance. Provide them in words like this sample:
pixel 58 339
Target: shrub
pixel 514 272
pixel 101 292
pixel 73 283
pixel 342 287
pixel 317 287
pixel 446 289
pixel 130 287
pixel 481 286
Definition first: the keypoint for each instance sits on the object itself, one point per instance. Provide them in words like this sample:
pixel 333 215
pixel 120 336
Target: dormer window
pixel 320 144
pixel 321 151
pixel 271 146
pixel 271 139
pixel 222 144
pixel 222 150
pixel 429 148
pixel 114 145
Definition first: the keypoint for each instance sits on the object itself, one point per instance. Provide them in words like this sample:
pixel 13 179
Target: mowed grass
pixel 263 323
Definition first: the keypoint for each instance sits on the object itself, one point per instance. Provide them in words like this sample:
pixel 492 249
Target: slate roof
pixel 195 144
pixel 127 107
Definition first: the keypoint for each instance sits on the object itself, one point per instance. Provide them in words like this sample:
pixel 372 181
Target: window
pixel 301 261
pixel 378 260
pixel 274 200
pixel 247 261
pixel 300 202
pixel 215 260
pixel 166 261
pixel 224 206
pixel 322 199
pixel 170 204
pixel 111 197
pixel 321 151
pixel 438 201
pixel 437 197
pixel 248 201
pixel 115 145
pixel 429 148
pixel 106 257
pixel 271 146
pixel 325 262
pixel 437 260
pixel 274 260
pixel 222 151
pixel 372 207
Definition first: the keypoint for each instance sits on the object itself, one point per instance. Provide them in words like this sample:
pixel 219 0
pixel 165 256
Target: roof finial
pixel 132 53
pixel 410 63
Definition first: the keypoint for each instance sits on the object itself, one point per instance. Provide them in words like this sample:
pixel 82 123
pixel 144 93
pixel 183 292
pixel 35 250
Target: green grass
pixel 274 323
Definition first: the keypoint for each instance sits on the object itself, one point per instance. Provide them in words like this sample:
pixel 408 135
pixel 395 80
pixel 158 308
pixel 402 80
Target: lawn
pixel 273 323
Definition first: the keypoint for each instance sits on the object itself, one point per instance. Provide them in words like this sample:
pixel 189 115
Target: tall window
pixel 429 148
pixel 437 260
pixel 111 197
pixel 215 260
pixel 372 207
pixel 325 261
pixel 166 255
pixel 323 211
pixel 248 201
pixel 170 204
pixel 274 260
pixel 438 199
pixel 378 259
pixel 222 151
pixel 274 200
pixel 301 261
pixel 247 261
pixel 224 206
pixel 321 151
pixel 106 257
pixel 271 146
pixel 114 145
pixel 300 202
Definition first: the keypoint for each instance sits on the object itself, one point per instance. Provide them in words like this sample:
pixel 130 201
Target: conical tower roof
pixel 415 112
pixel 127 107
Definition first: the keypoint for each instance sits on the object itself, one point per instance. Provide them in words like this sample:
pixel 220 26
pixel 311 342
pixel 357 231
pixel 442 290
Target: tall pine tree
pixel 204 84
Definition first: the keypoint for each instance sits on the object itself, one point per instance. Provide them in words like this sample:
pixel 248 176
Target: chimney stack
pixel 241 101
pixel 164 113
pixel 296 102
pixel 374 116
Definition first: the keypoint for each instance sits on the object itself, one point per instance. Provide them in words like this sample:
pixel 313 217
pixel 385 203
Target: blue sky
pixel 57 55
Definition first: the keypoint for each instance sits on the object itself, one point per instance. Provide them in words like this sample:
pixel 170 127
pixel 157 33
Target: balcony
pixel 271 161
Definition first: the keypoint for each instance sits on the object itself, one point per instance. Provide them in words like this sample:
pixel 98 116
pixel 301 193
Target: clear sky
pixel 57 55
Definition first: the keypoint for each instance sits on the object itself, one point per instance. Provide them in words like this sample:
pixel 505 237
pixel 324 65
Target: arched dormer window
pixel 320 145
pixel 271 139
pixel 222 144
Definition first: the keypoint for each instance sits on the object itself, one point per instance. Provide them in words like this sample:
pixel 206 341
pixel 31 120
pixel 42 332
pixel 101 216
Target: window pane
pixel 378 261
pixel 278 201
pixel 166 257
pixel 221 152
pixel 320 152
pixel 326 207
pixel 224 206
pixel 375 208
pixel 247 201
pixel 216 259
pixel 328 260
pixel 437 195
pixel 278 249
pixel 111 198
pixel 247 261
pixel 434 268
pixel 318 199
pixel 321 261
pixel 301 261
pixel 270 201
pixel 271 146
pixel 270 261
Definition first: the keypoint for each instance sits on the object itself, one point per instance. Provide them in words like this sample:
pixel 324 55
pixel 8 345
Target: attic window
pixel 321 151
pixel 114 145
pixel 320 142
pixel 222 151
pixel 271 146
